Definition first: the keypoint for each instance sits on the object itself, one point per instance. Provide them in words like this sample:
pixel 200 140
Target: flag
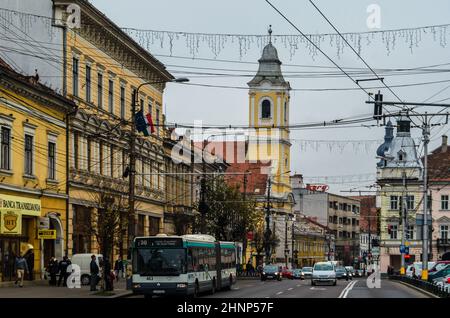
pixel 144 124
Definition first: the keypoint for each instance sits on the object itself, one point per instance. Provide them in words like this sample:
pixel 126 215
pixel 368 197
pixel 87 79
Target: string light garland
pixel 216 42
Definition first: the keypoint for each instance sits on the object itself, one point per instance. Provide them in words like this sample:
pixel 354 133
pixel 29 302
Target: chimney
pixel 444 143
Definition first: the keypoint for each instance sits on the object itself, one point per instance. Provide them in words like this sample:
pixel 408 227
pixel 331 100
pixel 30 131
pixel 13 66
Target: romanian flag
pixel 144 124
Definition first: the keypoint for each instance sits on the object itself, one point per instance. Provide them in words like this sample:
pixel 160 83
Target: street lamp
pixel 131 172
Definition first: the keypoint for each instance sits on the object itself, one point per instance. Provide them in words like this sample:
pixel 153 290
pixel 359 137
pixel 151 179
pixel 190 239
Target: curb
pixel 417 289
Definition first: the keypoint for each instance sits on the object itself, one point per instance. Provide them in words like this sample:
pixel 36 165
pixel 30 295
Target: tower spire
pixel 270 33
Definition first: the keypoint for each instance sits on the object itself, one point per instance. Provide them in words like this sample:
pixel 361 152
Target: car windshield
pixel 340 269
pixel 323 267
pixel 160 261
pixel 307 269
pixel 440 266
pixel 297 271
pixel 270 268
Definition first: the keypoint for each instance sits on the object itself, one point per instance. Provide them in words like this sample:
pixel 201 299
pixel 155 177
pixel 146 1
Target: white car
pixel 323 272
pixel 84 261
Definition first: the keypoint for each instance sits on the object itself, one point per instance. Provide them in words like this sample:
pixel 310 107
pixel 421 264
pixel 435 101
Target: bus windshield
pixel 160 261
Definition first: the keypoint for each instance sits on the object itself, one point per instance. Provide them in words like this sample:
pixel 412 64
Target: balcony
pixel 445 242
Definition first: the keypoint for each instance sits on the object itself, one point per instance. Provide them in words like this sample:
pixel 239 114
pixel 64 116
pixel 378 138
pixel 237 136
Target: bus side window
pixel 195 259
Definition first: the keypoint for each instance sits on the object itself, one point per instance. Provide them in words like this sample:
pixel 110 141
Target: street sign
pixel 420 219
pixel 375 250
pixel 47 234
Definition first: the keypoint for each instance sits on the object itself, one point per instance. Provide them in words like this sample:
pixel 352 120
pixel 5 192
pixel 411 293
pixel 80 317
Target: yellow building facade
pixel 32 172
pixel 104 69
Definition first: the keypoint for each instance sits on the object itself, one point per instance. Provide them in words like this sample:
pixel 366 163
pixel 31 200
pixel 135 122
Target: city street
pixel 302 289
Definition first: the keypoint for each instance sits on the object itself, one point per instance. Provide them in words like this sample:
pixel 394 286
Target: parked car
pixel 418 268
pixel 443 282
pixel 359 273
pixel 437 266
pixel 441 273
pixel 271 272
pixel 307 272
pixel 84 261
pixel 341 273
pixel 287 273
pixel 323 272
pixel 298 274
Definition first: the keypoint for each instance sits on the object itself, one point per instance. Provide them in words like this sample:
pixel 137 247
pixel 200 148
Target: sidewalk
pixel 41 289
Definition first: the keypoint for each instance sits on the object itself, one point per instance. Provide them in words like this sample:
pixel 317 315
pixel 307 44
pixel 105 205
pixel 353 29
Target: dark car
pixel 307 272
pixel 298 274
pixel 441 273
pixel 342 273
pixel 271 272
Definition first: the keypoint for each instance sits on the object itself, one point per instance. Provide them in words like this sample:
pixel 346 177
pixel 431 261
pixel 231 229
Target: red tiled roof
pixel 256 179
pixel 439 164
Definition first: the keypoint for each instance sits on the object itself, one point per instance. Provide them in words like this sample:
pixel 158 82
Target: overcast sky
pixel 230 106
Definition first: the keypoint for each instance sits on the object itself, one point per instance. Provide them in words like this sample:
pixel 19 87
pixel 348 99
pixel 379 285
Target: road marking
pixel 315 288
pixel 299 285
pixel 279 293
pixel 347 288
pixel 290 288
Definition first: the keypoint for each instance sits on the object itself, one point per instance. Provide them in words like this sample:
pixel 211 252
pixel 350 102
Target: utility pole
pixel 267 234
pixel 404 211
pixel 426 140
pixel 202 207
pixel 292 243
pixel 132 171
pixel 244 240
pixel 286 246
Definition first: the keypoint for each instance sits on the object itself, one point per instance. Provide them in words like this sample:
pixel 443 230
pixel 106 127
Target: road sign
pixel 44 223
pixel 47 234
pixel 375 250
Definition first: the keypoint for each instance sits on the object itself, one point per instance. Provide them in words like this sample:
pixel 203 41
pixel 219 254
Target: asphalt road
pixel 356 288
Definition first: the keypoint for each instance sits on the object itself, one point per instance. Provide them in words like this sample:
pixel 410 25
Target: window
pixel 75 150
pixel 410 202
pixel 29 155
pixel 89 155
pixel 394 202
pixel 330 219
pixel 285 113
pixel 444 202
pixel 266 109
pixel 141 225
pixel 88 83
pixel 429 202
pixel 52 161
pixel 6 148
pixel 393 234
pixel 122 102
pixel 330 204
pixel 100 90
pixel 444 232
pixel 111 96
pixel 353 234
pixel 340 220
pixel 410 232
pixel 75 76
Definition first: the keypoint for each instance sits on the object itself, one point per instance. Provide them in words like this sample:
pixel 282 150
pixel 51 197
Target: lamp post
pixel 131 170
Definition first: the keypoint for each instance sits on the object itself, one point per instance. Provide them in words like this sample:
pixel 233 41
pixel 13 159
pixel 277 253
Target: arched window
pixel 266 109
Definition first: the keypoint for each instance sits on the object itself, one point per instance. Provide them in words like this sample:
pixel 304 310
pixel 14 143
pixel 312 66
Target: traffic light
pixel 378 106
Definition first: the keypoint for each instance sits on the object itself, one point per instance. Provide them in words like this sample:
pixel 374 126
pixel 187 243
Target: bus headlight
pixel 182 285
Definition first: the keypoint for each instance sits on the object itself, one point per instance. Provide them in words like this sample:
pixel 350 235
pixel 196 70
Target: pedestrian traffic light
pixel 378 106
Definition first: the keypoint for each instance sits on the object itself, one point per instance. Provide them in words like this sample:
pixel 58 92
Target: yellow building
pixel 269 143
pixel 32 170
pixel 104 68
pixel 311 243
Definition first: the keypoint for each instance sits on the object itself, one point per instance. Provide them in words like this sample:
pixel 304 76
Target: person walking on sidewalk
pixel 63 271
pixel 118 268
pixel 94 269
pixel 53 270
pixel 21 269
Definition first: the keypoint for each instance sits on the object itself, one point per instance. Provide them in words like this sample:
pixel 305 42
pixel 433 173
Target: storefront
pixel 17 231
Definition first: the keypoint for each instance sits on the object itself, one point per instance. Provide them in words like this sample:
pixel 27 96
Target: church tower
pixel 269 116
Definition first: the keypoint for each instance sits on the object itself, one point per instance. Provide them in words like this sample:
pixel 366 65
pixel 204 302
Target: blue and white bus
pixel 182 265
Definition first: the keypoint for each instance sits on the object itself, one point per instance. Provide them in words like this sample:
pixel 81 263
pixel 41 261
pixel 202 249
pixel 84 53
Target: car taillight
pixel 448 280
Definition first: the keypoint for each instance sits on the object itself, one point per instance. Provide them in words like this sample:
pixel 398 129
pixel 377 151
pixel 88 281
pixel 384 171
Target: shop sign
pixel 47 234
pixel 44 223
pixel 11 222
pixel 26 206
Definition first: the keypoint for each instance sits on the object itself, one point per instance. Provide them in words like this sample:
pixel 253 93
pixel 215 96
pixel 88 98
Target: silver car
pixel 323 272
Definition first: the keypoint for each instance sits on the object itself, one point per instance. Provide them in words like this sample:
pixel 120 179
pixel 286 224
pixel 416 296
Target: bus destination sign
pixel 158 242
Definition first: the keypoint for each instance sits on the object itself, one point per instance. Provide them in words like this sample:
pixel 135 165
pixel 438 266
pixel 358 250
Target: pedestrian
pixel 52 268
pixel 29 257
pixel 94 269
pixel 62 268
pixel 21 269
pixel 118 268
